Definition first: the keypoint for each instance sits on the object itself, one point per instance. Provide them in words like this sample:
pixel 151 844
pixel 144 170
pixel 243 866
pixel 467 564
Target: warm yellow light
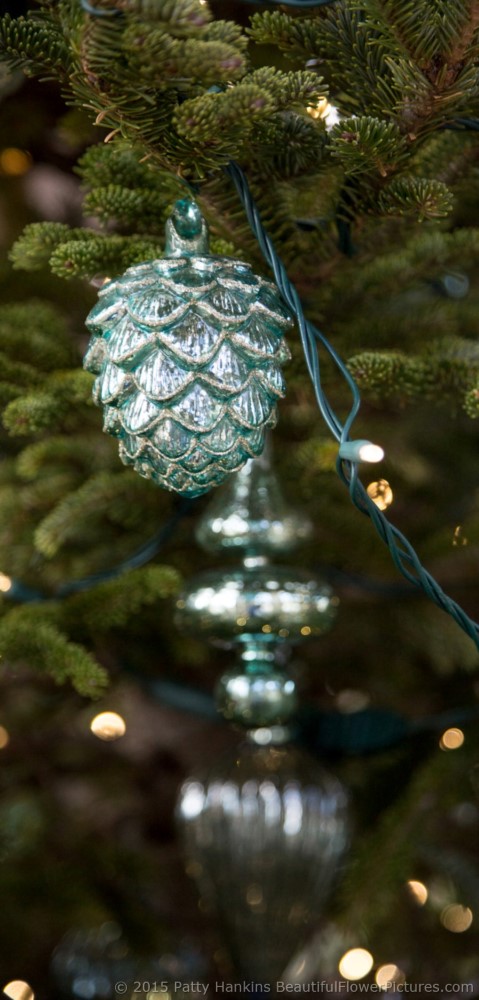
pixel 451 739
pixel 241 621
pixel 320 109
pixel 266 629
pixel 4 737
pixel 18 990
pixel 15 162
pixel 108 726
pixel 356 963
pixel 5 583
pixel 456 918
pixel 306 630
pixel 418 890
pixel 387 975
pixel 381 493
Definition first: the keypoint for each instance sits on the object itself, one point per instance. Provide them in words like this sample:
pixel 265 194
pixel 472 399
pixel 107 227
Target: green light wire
pixel 403 553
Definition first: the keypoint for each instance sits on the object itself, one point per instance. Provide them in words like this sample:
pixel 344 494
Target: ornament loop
pixel 186 231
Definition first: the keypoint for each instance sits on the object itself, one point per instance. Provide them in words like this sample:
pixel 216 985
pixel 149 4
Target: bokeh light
pixel 387 975
pixel 451 739
pixel 108 726
pixel 456 918
pixel 14 162
pixel 356 963
pixel 418 890
pixel 18 990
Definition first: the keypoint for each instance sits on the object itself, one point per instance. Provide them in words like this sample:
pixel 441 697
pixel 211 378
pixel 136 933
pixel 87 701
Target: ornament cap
pixel 251 516
pixel 186 231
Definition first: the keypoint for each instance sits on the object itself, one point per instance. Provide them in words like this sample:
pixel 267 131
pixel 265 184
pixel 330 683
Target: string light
pixel 18 990
pixel 108 726
pixel 361 451
pixel 4 737
pixel 5 583
pixel 381 493
pixel 451 739
pixel 324 110
pixel 456 918
pixel 418 891
pixel 356 963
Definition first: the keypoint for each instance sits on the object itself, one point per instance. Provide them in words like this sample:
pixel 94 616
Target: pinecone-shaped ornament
pixel 187 351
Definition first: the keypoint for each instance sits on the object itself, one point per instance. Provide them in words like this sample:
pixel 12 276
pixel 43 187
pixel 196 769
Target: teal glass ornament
pixel 273 603
pixel 257 691
pixel 187 351
pixel 257 600
pixel 257 607
pixel 264 830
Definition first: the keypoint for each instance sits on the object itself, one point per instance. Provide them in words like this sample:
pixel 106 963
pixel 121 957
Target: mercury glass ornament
pixel 257 600
pixel 264 831
pixel 187 351
pixel 257 691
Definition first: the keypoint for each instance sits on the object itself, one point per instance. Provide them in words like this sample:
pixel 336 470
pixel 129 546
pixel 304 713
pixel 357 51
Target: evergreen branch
pixel 418 196
pixel 77 513
pixel 104 256
pixel 37 47
pixel 29 634
pixel 114 603
pixel 50 406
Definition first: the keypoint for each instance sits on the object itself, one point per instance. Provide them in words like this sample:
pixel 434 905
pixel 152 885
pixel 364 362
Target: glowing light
pixel 451 739
pixel 323 109
pixel 5 583
pixel 4 737
pixel 108 726
pixel 361 451
pixel 381 493
pixel 18 990
pixel 387 975
pixel 266 629
pixel 371 453
pixel 14 162
pixel 456 918
pixel 241 621
pixel 418 891
pixel 306 630
pixel 356 963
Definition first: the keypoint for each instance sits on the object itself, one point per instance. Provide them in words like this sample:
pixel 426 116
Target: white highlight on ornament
pixel 4 737
pixel 451 739
pixel 361 451
pixel 418 890
pixel 18 990
pixel 5 583
pixel 387 975
pixel 108 726
pixel 356 963
pixel 349 701
pixel 456 918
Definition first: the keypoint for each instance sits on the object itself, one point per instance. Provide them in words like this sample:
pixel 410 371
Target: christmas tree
pixel 355 124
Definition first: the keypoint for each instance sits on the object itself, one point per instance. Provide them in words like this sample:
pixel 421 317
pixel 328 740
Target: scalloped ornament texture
pixel 188 352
